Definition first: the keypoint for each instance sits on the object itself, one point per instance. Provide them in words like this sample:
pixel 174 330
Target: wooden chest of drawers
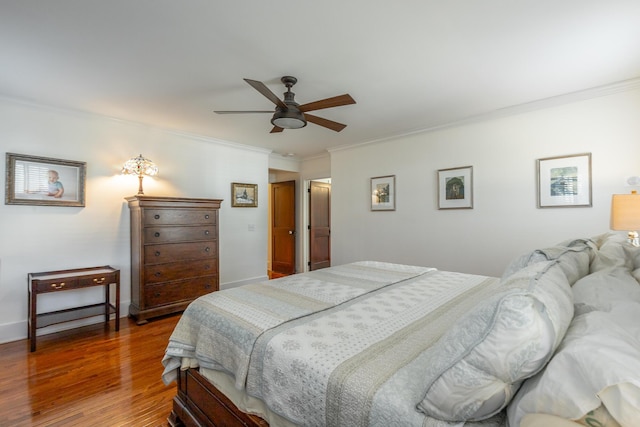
pixel 174 253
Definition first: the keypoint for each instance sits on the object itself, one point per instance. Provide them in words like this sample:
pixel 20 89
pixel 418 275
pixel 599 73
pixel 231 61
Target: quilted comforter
pixel 346 345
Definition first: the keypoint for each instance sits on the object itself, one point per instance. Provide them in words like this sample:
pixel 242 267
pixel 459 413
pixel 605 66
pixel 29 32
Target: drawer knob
pixel 206 216
pixel 157 234
pixel 207 267
pixel 158 274
pixel 157 294
pixel 100 280
pixel 58 285
pixel 206 232
pixel 157 253
pixel 207 249
pixel 156 216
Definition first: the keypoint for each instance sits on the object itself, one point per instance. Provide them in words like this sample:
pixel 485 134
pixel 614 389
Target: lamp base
pixel 632 238
pixel 140 187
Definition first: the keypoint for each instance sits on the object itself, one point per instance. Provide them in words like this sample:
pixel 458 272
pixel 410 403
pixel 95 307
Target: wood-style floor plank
pixel 86 377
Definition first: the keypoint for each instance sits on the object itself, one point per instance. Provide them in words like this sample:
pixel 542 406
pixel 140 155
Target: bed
pixel 373 344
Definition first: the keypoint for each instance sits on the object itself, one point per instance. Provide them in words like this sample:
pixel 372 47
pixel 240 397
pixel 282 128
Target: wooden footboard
pixel 199 403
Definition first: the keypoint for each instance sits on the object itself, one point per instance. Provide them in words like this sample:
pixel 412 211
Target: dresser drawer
pixel 179 216
pixel 178 234
pixel 169 293
pixel 155 254
pixel 180 270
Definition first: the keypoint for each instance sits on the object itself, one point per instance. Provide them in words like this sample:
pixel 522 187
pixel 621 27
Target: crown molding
pixel 554 101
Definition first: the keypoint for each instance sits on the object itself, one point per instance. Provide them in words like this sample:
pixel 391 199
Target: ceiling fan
pixel 291 115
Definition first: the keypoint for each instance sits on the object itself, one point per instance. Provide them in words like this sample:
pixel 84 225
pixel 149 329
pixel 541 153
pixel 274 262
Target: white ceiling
pixel 410 64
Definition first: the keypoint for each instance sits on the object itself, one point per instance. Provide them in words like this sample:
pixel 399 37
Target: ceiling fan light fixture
pixel 288 119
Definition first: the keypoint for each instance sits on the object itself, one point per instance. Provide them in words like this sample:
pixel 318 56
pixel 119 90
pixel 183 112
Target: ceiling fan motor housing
pixel 291 118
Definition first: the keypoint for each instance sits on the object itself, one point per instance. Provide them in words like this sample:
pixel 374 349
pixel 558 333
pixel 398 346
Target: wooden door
pixel 319 225
pixel 283 232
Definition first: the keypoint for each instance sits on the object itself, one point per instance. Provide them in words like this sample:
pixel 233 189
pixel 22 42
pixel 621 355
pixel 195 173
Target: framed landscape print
pixel 455 188
pixel 33 180
pixel 564 181
pixel 244 195
pixel 383 193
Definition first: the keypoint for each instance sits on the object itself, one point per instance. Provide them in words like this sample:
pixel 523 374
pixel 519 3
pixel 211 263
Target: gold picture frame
pixel 244 195
pixel 44 181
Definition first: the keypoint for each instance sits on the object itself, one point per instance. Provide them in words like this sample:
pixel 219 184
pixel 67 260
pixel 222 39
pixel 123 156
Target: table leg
pixel 107 301
pixel 118 301
pixel 32 319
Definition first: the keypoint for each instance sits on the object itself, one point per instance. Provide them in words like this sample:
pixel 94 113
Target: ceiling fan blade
pixel 242 112
pixel 336 101
pixel 263 89
pixel 329 124
pixel 276 129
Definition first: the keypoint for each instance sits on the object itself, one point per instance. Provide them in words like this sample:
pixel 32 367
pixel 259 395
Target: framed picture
pixel 33 180
pixel 455 188
pixel 244 195
pixel 383 193
pixel 564 181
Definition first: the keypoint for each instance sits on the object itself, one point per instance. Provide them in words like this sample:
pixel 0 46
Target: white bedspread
pixel 340 346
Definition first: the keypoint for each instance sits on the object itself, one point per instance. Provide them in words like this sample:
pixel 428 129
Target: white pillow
pixel 611 253
pixel 598 363
pixel 480 362
pixel 575 258
pixel 602 289
pixel 546 420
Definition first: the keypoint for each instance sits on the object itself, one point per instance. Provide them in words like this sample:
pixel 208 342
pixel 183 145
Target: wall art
pixel 244 195
pixel 455 188
pixel 383 193
pixel 564 181
pixel 33 180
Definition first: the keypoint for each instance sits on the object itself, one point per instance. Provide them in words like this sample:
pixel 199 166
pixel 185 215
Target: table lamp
pixel 141 167
pixel 625 215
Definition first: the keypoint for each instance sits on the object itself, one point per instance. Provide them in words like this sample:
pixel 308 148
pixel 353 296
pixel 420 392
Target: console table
pixel 67 280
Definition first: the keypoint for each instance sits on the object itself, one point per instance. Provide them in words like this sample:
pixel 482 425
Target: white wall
pixel 504 221
pixel 42 238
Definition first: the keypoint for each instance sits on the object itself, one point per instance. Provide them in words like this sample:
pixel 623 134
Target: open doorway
pixel 305 254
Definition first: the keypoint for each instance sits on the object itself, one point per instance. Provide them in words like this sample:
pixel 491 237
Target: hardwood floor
pixel 88 377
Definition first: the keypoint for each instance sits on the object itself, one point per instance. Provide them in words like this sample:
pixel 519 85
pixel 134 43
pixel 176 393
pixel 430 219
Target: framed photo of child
pixel 33 180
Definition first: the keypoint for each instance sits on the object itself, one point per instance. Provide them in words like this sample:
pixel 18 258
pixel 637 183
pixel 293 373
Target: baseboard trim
pixel 230 285
pixel 16 331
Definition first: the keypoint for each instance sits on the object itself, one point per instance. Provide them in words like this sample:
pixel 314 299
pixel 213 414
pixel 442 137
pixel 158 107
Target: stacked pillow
pixel 481 361
pixel 595 375
pixel 605 288
pixel 594 378
pixel 574 256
